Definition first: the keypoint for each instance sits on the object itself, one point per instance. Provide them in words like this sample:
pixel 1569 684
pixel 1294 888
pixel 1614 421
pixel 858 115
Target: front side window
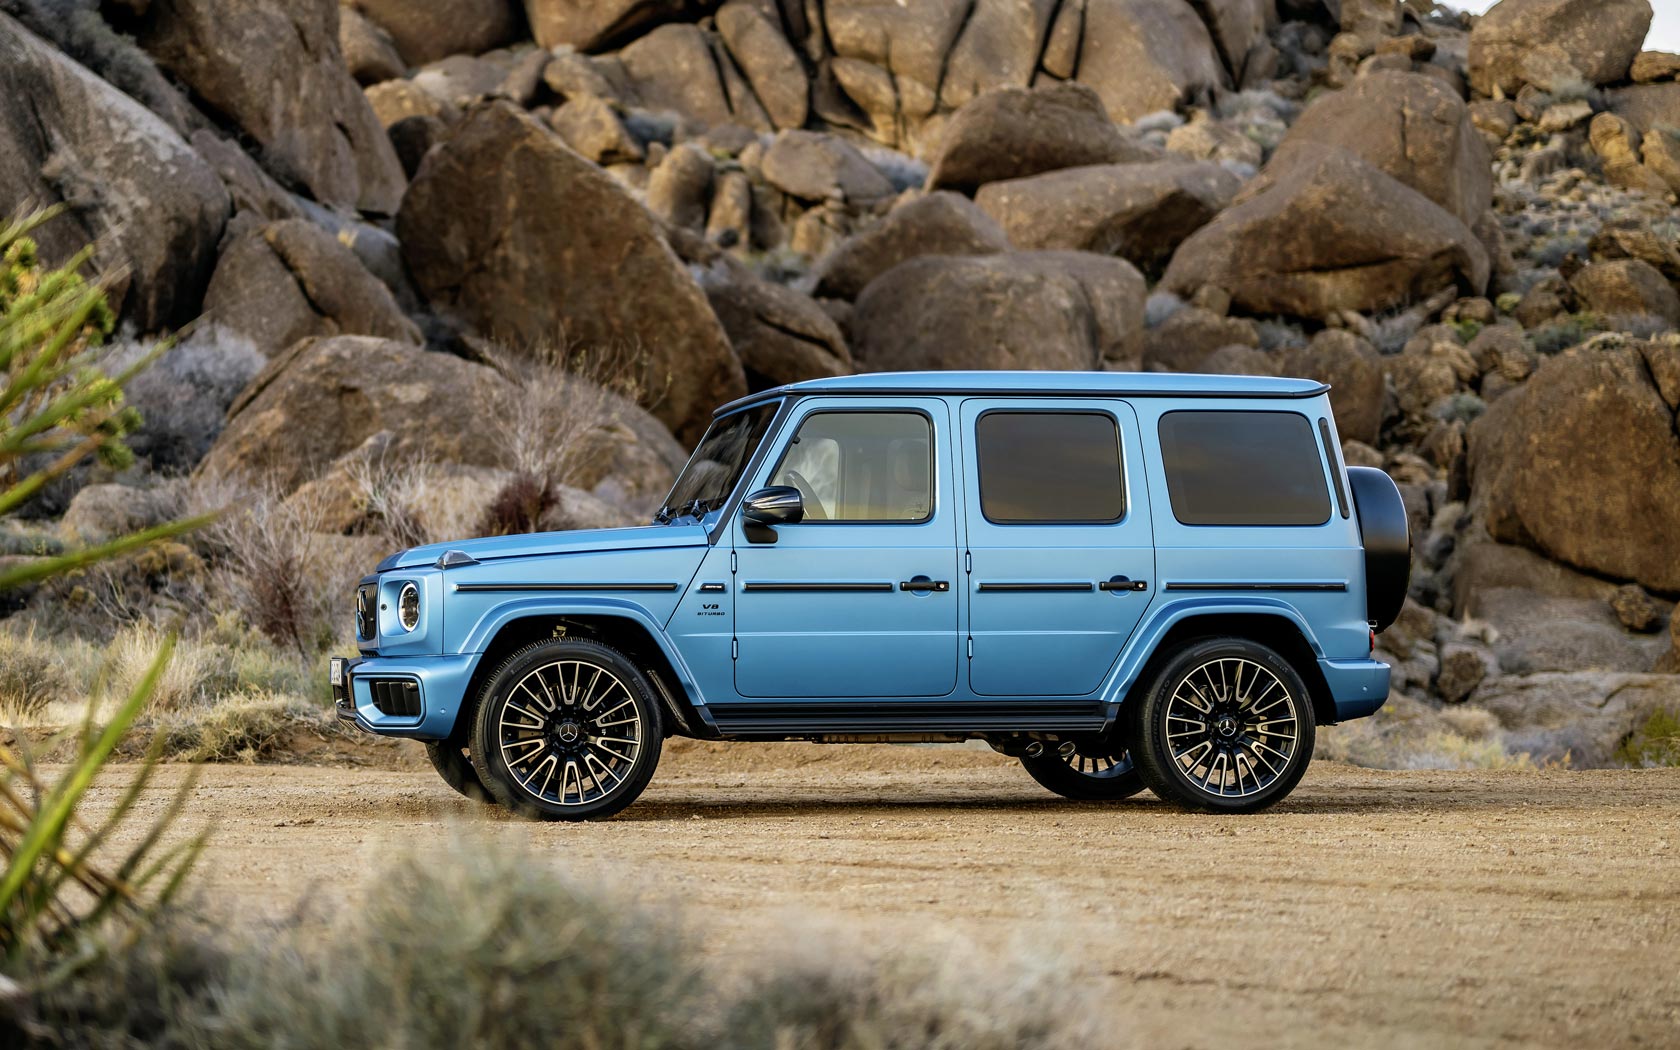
pixel 1049 468
pixel 1243 468
pixel 861 467
pixel 718 462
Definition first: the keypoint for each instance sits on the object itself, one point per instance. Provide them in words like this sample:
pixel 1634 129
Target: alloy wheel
pixel 570 732
pixel 1232 727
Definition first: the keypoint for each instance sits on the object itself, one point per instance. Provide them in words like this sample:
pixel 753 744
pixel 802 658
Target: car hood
pixel 641 537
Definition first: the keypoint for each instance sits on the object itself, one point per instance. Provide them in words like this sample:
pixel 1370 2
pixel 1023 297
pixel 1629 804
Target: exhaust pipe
pixel 1035 749
pixel 1067 749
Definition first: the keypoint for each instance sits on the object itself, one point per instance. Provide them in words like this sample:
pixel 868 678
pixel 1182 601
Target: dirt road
pixel 1394 909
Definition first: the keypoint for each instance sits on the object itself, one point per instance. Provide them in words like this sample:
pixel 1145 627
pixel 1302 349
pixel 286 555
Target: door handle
pixel 1123 584
pixel 923 583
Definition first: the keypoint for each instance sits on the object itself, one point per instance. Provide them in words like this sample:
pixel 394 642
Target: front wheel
pixel 1226 726
pixel 566 730
pixel 455 766
pixel 1094 769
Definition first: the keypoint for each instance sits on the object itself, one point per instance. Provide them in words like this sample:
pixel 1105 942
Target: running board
pixel 780 719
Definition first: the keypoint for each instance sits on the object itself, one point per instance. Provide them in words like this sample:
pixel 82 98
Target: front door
pixel 1062 549
pixel 859 600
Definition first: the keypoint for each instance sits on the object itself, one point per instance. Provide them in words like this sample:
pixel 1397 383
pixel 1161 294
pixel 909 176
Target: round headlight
pixel 408 607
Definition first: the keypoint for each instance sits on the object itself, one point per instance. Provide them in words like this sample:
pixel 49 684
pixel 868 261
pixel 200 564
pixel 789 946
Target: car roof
pixel 1045 384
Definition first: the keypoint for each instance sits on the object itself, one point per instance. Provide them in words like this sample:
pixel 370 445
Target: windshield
pixel 718 463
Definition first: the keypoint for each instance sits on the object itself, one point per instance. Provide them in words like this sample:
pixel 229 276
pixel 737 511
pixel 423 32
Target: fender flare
pixel 1147 638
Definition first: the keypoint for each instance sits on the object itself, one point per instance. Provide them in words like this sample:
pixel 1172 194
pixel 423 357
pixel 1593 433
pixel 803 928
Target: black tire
pixel 1258 716
pixel 547 710
pixel 455 766
pixel 1099 770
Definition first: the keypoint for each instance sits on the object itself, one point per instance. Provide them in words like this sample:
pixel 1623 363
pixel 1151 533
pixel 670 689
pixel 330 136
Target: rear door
pixel 1060 546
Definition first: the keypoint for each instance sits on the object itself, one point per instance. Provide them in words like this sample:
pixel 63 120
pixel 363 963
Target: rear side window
pixel 1243 468
pixel 1059 468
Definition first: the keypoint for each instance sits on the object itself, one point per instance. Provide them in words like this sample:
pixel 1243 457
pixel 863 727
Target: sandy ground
pixel 1371 909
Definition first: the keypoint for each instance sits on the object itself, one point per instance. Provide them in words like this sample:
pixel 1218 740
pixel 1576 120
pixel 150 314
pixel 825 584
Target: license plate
pixel 335 670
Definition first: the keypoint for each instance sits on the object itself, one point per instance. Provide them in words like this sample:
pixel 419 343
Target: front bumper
pixel 431 687
pixel 1359 687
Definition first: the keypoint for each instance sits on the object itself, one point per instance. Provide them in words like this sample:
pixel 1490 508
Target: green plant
pixel 57 408
pixel 1656 742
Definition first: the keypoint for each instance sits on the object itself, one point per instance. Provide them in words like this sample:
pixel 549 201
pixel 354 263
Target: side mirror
pixel 776 505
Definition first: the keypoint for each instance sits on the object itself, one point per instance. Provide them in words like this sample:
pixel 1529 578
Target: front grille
pixel 367 611
pixel 396 697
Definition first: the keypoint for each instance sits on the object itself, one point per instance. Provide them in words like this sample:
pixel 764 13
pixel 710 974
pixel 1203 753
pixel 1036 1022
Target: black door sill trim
pixel 774 719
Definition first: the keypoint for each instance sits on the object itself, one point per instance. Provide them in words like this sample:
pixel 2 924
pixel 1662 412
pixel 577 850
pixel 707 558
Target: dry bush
pixel 31 677
pixel 392 494
pixel 264 550
pixel 250 727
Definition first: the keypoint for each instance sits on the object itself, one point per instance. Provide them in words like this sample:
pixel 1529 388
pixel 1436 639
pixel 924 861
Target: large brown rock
pixel 1140 212
pixel 684 69
pixel 276 72
pixel 278 283
pixel 1648 107
pixel 1033 310
pixel 939 223
pixel 780 335
pixel 1598 38
pixel 152 207
pixel 770 63
pixel 1627 288
pixel 323 398
pixel 427 30
pixel 1410 126
pixel 368 51
pixel 1582 463
pixel 592 25
pixel 530 243
pixel 813 166
pixel 1329 233
pixel 1017 132
pixel 1143 56
pixel 1353 368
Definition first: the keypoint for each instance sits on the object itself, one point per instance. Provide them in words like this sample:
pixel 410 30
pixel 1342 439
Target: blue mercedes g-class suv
pixel 1125 581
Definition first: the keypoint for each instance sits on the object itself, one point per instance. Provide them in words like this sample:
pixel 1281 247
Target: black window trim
pixel 1332 454
pixel 933 460
pixel 1329 509
pixel 1120 449
pixel 732 504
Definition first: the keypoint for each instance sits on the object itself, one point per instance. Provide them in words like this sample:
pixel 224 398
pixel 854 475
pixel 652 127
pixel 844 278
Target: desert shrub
pixel 184 397
pixel 391 492
pixel 263 550
pixel 1159 307
pixel 198 674
pixel 245 727
pixel 1462 407
pixel 31 676
pixel 519 506
pixel 1655 742
pixel 487 950
pixel 1560 335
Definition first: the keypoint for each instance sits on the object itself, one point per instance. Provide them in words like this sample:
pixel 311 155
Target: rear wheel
pixel 566 730
pixel 1226 726
pixel 1094 769
pixel 454 765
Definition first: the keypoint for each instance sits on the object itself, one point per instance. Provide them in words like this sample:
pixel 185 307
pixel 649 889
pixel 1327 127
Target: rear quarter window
pixel 1243 468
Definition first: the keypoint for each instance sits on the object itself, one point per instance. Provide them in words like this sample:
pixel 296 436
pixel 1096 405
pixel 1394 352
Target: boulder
pixel 1144 56
pixel 780 335
pixel 1648 107
pixel 1140 212
pixel 368 51
pixel 569 74
pixel 1583 717
pixel 1191 337
pixel 98 513
pixel 1032 310
pixel 278 283
pixel 1582 463
pixel 591 126
pixel 151 205
pixel 1370 19
pixel 460 80
pixel 594 25
pixel 276 73
pixel 1204 138
pixel 425 32
pixel 1650 67
pixel 1016 132
pixel 398 100
pixel 1622 288
pixel 1617 144
pixel 1636 609
pixel 530 243
pixel 323 398
pixel 1412 128
pixel 680 188
pixel 1353 368
pixel 939 223
pixel 1598 39
pixel 770 63
pixel 813 166
pixel 1329 233
pixel 683 69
